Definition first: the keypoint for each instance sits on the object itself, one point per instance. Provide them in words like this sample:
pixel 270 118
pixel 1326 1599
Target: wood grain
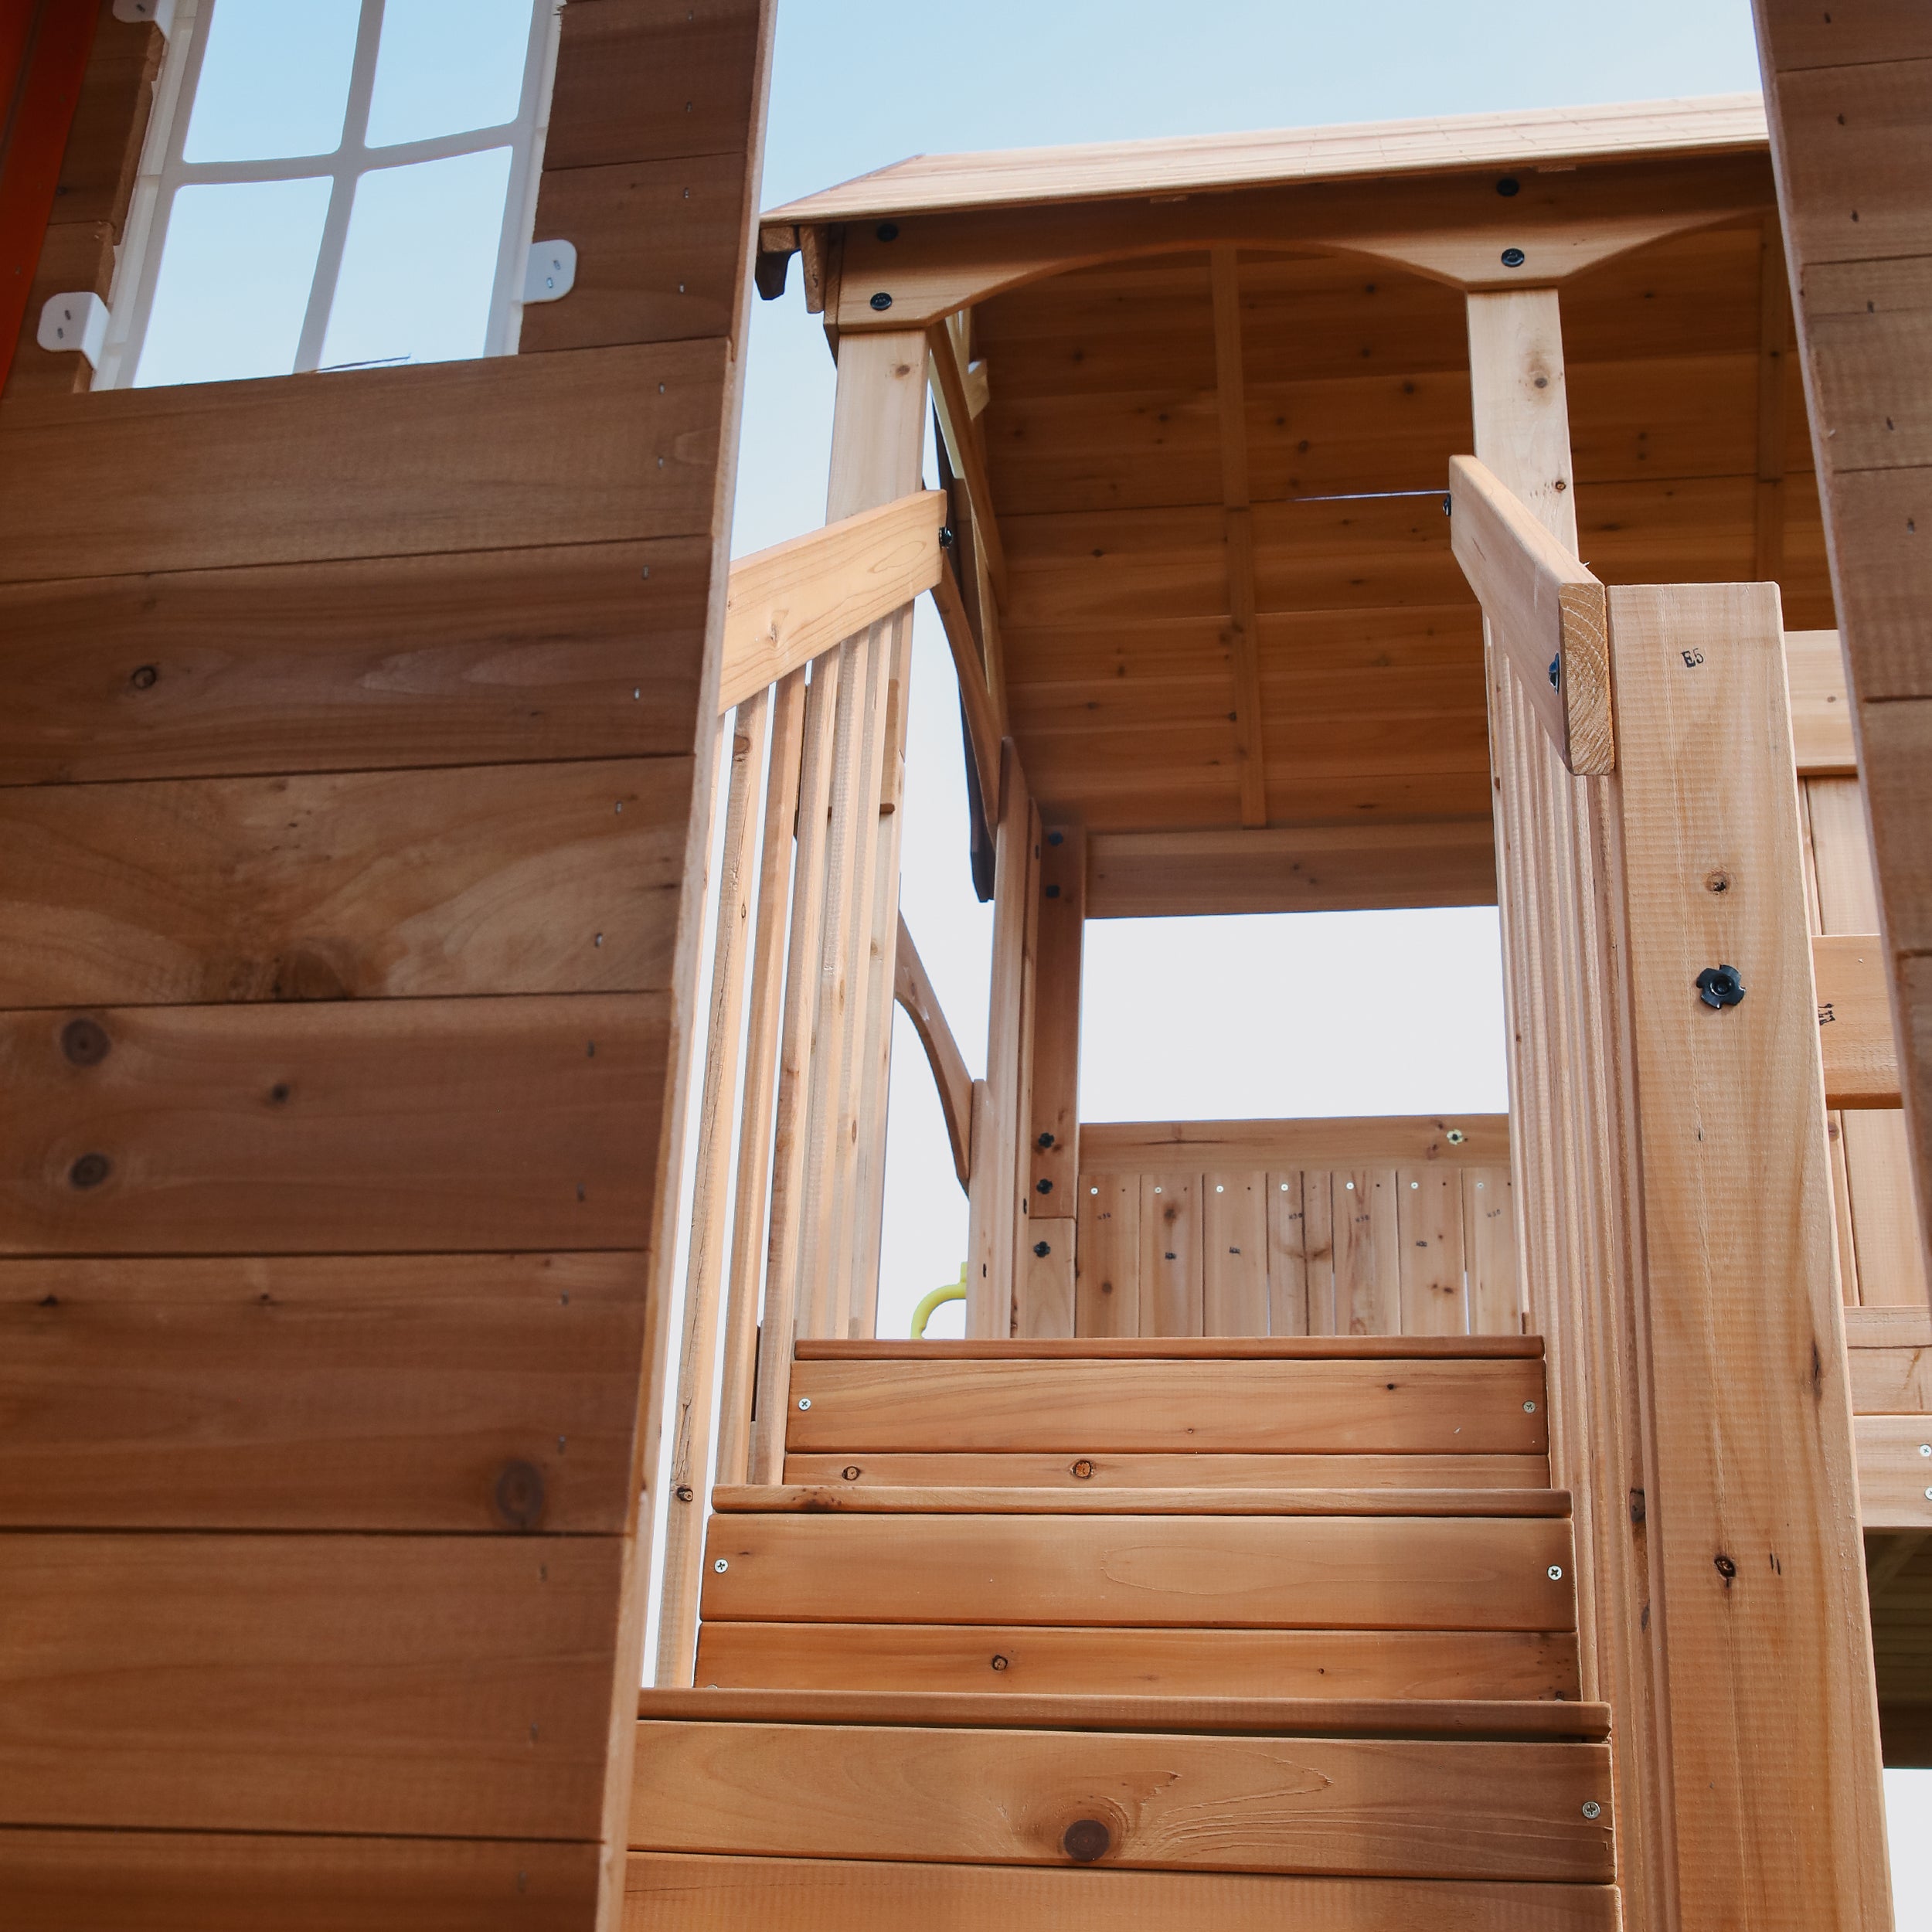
pixel 583 651
pixel 1202 1470
pixel 380 462
pixel 1074 1661
pixel 472 1393
pixel 1300 1572
pixel 518 878
pixel 1198 1499
pixel 1344 1805
pixel 720 1894
pixel 1117 1147
pixel 385 1125
pixel 404 1685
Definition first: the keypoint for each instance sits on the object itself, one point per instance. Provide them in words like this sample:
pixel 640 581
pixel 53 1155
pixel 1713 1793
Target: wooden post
pixel 1560 894
pixel 1758 1608
pixel 689 1477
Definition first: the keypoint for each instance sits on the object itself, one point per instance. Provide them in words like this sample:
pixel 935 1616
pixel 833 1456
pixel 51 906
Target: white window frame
pixel 164 172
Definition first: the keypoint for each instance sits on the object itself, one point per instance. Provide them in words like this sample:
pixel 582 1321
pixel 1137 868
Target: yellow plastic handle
pixel 952 1291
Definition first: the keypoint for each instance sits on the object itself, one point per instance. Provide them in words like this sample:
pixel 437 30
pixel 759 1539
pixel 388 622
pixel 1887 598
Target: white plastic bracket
pixel 75 321
pixel 160 13
pixel 552 272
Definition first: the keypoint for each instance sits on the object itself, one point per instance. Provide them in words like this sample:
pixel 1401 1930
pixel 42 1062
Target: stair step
pixel 1004 1659
pixel 1180 1469
pixel 879 1499
pixel 1519 1719
pixel 670 1892
pixel 1325 1572
pixel 1286 1347
pixel 1087 1408
pixel 1244 1799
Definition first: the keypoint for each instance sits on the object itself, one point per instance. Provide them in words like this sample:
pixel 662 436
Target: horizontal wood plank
pixel 1084 1408
pixel 997 1469
pixel 1517 1720
pixel 379 462
pixel 1366 1140
pixel 1820 707
pixel 1180 1347
pixel 581 650
pixel 876 1499
pixel 513 879
pixel 71 1881
pixel 1892 1381
pixel 1895 1471
pixel 1343 1805
pixel 1854 1032
pixel 439 1686
pixel 1285 1572
pixel 1144 874
pixel 1178 1663
pixel 472 1393
pixel 331 1126
pixel 669 1893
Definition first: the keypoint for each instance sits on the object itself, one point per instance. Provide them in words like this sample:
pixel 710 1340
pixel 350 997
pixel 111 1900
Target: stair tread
pixel 1310 1348
pixel 1516 1718
pixel 881 1499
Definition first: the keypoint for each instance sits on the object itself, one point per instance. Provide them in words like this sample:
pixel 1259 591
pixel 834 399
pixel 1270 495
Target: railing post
pixel 1768 1762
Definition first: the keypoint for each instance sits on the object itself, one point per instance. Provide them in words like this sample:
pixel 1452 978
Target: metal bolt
pixel 684 1492
pixel 804 1401
pixel 1043 1186
pixel 1446 510
pixel 1508 185
pixel 1928 1496
pixel 1455 1137
pixel 1720 986
pixel 1592 1808
pixel 887 231
pixel 1042 1250
pixel 1045 1140
pixel 1513 258
pixel 882 300
pixel 1556 1572
pixel 721 1565
pixel 1925 1448
pixel 1529 1408
pixel 945 537
pixel 1556 672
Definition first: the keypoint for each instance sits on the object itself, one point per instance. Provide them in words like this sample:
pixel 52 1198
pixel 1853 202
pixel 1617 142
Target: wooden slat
pixel 1545 608
pixel 1751 1424
pixel 1293 1572
pixel 800 597
pixel 388 460
pixel 451 1686
pixel 913 990
pixel 1178 1663
pixel 1821 707
pixel 1039 1469
pixel 1430 1230
pixel 580 651
pixel 1895 1471
pixel 424 1125
pixel 1234 1253
pixel 877 1498
pixel 1291 1263
pixel 1170 1253
pixel 236 1881
pixel 473 1392
pixel 720 1894
pixel 1315 1348
pixel 518 878
pixel 1461 1809
pixel 1140 874
pixel 1119 1147
pixel 1106 1274
pixel 1489 1248
pixel 1517 1720
pixel 1855 1021
pixel 1886 1381
pixel 1367 1258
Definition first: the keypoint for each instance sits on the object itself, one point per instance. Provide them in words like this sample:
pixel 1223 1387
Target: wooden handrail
pixel 1545 609
pixel 789 604
pixel 914 992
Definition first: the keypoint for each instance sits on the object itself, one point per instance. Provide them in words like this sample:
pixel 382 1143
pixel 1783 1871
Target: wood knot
pixel 85 1042
pixel 518 1495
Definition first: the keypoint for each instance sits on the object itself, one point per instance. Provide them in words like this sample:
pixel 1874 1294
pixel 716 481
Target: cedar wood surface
pixel 357 754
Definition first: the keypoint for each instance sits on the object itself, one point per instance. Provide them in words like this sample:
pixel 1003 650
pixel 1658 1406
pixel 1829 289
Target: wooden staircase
pixel 1094 1635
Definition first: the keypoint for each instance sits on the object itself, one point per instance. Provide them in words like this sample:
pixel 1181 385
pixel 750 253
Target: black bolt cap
pixel 1720 986
pixel 882 300
pixel 1511 258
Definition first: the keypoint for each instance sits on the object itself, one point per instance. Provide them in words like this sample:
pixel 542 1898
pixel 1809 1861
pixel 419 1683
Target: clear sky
pixel 860 83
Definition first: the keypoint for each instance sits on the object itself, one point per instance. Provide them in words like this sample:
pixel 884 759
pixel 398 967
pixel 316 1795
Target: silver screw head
pixel 804 1401
pixel 1592 1808
pixel 1925 1448
pixel 1529 1408
pixel 721 1565
pixel 1556 1572
pixel 1928 1496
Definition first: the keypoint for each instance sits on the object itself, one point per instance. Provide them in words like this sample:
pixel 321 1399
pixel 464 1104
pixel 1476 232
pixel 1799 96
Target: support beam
pixel 1774 344
pixel 1230 394
pixel 965 445
pixel 913 990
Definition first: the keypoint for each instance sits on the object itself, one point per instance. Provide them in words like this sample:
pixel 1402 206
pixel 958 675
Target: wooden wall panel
pixel 477 1393
pixel 354 782
pixel 333 1126
pixel 510 878
pixel 1107 1277
pixel 376 462
pixel 579 651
